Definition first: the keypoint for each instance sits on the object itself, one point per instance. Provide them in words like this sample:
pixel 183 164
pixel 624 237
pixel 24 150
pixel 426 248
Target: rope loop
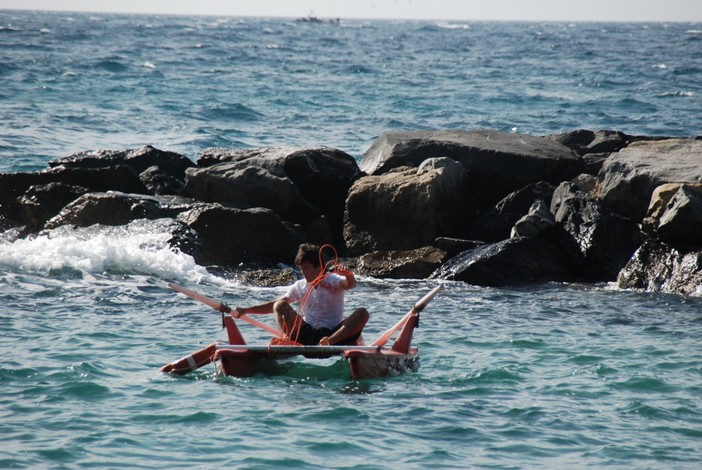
pixel 291 334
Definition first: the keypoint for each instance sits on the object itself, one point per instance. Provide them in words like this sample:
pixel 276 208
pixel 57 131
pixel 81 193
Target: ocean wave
pixel 676 94
pixel 336 85
pixel 141 247
pixel 228 112
pixel 112 65
pixel 453 25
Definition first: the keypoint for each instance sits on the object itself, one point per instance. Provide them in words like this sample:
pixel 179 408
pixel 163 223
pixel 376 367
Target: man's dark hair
pixel 307 252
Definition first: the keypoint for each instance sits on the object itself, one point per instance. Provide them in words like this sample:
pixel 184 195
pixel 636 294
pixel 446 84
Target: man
pixel 320 317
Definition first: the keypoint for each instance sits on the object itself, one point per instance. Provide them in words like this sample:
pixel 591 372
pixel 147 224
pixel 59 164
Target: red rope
pixel 291 335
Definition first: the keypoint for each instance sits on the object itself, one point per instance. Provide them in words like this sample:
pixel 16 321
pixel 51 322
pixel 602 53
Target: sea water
pixel 552 376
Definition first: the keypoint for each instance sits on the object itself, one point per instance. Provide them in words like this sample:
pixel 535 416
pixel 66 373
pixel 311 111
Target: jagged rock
pixel 538 219
pixel 454 246
pixel 14 185
pixel 231 236
pixel 242 186
pixel 497 163
pixel 115 208
pixel 585 183
pixel 267 277
pixel 628 178
pixel 605 239
pixel 593 162
pixel 656 207
pixel 660 201
pixel 585 141
pixel 139 160
pixel 10 230
pixel 495 224
pixel 42 202
pixel 408 264
pixel 321 175
pixel 159 182
pixel 405 209
pixel 513 262
pixel 658 267
pixel 681 223
pixel 319 232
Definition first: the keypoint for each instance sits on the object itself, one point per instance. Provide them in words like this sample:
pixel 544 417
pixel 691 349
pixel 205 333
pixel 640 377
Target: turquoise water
pixel 552 377
pixel 555 376
pixel 73 82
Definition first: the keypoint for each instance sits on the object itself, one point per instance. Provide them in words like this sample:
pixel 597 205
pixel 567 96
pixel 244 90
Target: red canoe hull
pixel 363 364
pixel 239 359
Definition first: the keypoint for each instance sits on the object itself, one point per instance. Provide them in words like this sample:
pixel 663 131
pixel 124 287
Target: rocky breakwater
pixel 586 206
pixel 484 207
pixel 231 209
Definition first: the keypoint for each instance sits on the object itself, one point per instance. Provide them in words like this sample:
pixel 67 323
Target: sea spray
pixel 141 247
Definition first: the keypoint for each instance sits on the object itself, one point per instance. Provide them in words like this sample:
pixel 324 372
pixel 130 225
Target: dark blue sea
pixel 553 376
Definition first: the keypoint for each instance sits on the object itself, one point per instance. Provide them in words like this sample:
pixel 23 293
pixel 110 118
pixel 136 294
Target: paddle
pixel 217 305
pixel 418 307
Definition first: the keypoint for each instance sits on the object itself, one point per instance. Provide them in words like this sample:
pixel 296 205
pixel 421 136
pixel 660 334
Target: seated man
pixel 320 317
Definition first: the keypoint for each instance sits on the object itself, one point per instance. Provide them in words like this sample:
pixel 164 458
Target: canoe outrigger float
pixel 239 359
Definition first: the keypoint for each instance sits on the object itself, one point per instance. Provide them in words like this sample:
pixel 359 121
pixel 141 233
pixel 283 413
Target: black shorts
pixel 310 335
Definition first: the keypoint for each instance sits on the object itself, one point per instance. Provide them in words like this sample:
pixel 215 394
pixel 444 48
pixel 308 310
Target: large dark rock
pixel 605 239
pixel 593 162
pixel 629 177
pixel 42 202
pixel 231 236
pixel 585 141
pixel 242 186
pixel 497 163
pixel 321 175
pixel 495 224
pixel 114 178
pixel 12 187
pixel 408 264
pixel 681 223
pixel 454 246
pixel 170 163
pixel 515 262
pixel 115 208
pixel 676 206
pixel 10 230
pixel 118 178
pixel 406 209
pixel 537 220
pixel 658 267
pixel 159 182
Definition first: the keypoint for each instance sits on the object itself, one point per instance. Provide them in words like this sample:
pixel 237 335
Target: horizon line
pixel 326 19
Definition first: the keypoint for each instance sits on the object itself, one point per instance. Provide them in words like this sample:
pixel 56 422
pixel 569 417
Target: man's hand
pixel 349 276
pixel 344 271
pixel 324 341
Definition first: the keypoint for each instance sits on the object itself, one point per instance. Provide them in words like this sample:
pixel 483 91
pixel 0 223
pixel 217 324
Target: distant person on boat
pixel 319 319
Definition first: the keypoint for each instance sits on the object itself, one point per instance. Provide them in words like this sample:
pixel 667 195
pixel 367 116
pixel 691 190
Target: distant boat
pixel 315 19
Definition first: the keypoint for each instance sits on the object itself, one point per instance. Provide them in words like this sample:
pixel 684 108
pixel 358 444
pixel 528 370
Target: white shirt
pixel 324 307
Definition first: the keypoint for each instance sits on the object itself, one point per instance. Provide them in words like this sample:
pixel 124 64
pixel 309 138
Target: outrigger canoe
pixel 239 359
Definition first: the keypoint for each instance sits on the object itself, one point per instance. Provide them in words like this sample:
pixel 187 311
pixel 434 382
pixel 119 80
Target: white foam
pixel 141 247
